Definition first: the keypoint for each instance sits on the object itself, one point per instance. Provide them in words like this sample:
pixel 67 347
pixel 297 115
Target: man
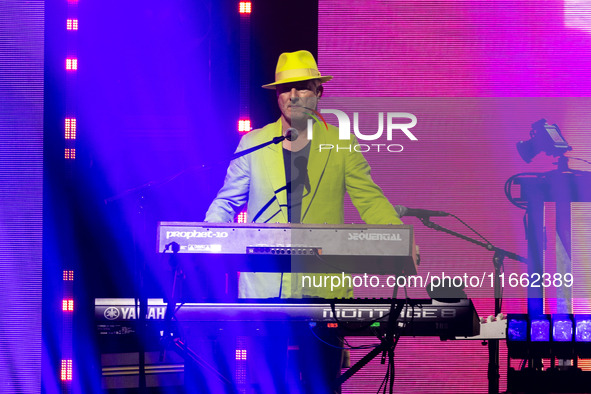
pixel 297 182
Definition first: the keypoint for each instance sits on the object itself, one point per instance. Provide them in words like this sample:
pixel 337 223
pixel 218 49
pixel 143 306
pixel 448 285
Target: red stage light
pixel 66 370
pixel 244 125
pixel 72 24
pixel 242 217
pixel 72 64
pixel 70 129
pixel 245 7
pixel 68 305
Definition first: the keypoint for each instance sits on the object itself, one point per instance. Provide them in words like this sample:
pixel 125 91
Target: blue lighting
pixel 583 328
pixel 562 329
pixel 517 330
pixel 540 330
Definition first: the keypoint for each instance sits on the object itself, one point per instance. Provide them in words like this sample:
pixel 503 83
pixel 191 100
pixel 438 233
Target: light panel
pixel 242 218
pixel 244 125
pixel 582 328
pixel 68 276
pixel 245 7
pixel 70 129
pixel 562 329
pixel 68 305
pixel 540 329
pixel 517 330
pixel 72 24
pixel 241 354
pixel 66 370
pixel 71 64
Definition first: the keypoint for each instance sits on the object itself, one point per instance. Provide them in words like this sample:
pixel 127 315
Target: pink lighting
pixel 72 64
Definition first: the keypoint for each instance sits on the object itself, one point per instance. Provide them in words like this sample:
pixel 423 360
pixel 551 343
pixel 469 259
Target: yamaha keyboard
pixel 295 247
pixel 354 316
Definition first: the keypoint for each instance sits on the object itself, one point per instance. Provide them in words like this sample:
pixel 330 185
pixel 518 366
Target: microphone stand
pixel 139 236
pixel 498 258
pixel 169 336
pixel 386 347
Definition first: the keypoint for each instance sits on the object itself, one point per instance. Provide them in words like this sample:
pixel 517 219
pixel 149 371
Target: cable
pixel 340 347
pixel 351 347
pixel 382 384
pixel 509 182
pixel 390 373
pixel 470 228
pixel 576 158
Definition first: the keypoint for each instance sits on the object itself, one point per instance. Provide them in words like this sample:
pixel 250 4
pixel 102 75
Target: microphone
pixel 291 134
pixel 419 213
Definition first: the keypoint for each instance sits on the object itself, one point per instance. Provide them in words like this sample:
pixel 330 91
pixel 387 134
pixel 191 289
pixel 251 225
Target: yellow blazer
pixel 259 179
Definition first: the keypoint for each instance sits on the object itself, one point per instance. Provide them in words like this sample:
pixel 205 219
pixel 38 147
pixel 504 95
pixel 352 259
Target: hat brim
pixel 296 79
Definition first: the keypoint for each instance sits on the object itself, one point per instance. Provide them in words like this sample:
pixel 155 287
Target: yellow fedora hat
pixel 294 67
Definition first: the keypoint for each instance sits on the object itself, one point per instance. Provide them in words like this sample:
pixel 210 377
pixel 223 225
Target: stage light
pixel 517 329
pixel 66 370
pixel 562 328
pixel 72 24
pixel 68 275
pixel 244 125
pixel 242 218
pixel 70 154
pixel 70 128
pixel 571 336
pixel 245 7
pixel 540 329
pixel 583 328
pixel 71 64
pixel 68 305
pixel 332 325
pixel 241 354
pixel 544 138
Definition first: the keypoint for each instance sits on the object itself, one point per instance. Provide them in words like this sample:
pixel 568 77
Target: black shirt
pixel 297 181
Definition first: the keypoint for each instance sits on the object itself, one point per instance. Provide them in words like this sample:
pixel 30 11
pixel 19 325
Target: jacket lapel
pixel 275 169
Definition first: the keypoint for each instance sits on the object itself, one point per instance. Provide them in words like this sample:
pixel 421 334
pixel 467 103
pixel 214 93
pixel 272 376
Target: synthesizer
pixel 295 247
pixel 353 316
